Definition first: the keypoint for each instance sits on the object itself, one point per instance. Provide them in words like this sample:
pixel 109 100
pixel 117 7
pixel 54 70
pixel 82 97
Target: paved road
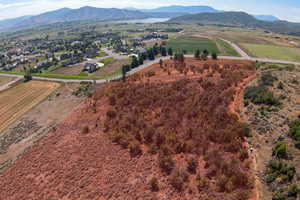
pixel 116 56
pixel 237 48
pixel 147 64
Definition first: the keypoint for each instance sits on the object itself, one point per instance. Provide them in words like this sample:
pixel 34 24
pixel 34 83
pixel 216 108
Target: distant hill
pixel 179 14
pixel 238 19
pixel 182 9
pixel 67 15
pixel 268 18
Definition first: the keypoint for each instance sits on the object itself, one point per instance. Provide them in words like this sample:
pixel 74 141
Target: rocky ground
pixel 270 124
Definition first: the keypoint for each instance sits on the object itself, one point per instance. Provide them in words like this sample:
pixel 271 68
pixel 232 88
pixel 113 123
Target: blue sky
pixel 284 9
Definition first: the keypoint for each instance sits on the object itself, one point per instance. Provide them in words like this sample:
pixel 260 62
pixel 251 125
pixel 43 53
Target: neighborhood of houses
pixel 42 53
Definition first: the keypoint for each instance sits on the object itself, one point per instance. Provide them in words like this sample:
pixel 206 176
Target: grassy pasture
pixel 273 51
pixel 18 100
pixel 226 49
pixel 191 44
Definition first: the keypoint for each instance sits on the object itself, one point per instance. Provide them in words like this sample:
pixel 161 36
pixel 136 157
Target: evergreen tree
pixel 125 69
pixel 163 51
pixel 197 54
pixel 170 51
pixel 151 55
pixel 141 60
pixel 214 56
pixel 27 76
pixel 134 62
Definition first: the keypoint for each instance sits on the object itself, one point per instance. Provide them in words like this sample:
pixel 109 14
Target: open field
pixel 191 44
pixel 111 67
pixel 5 80
pixel 20 99
pixel 273 51
pixel 225 48
pixel 96 162
pixel 70 70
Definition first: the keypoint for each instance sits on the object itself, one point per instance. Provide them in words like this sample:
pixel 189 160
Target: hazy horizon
pixel 18 8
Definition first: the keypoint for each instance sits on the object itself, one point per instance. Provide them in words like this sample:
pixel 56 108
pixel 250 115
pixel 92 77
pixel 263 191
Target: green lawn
pixel 226 49
pixel 191 44
pixel 273 51
pixel 102 54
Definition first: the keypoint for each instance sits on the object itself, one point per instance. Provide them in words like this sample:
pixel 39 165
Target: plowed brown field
pixel 17 101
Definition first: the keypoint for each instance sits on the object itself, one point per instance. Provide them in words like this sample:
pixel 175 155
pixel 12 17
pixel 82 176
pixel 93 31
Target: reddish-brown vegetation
pixel 185 116
pixel 178 128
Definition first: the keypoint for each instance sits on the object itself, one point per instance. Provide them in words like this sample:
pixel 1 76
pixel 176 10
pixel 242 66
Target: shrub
pixel 260 95
pixel 278 169
pixel 280 85
pixel 202 183
pixel 192 165
pixel 286 193
pixel 295 132
pixel 166 163
pixel 111 114
pixel 178 178
pixel 135 148
pixel 280 150
pixel 247 130
pixel 154 184
pixel 214 56
pixel 267 79
pixel 85 130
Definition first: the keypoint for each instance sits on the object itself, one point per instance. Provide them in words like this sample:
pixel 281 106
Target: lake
pixel 146 21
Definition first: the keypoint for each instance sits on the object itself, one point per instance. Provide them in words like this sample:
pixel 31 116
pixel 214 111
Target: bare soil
pixel 70 70
pixel 112 67
pixel 5 80
pixel 36 123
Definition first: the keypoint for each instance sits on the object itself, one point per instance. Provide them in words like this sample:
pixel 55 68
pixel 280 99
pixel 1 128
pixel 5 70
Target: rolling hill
pixel 81 14
pixel 238 19
pixel 108 14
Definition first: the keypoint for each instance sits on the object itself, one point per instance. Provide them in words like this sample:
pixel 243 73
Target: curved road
pixel 110 53
pixel 147 64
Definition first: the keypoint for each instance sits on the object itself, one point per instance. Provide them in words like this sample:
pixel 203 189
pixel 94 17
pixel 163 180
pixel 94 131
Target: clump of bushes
pixel 150 73
pixel 267 79
pixel 85 130
pixel 289 192
pixel 280 150
pixel 135 148
pixel 295 132
pixel 192 164
pixel 279 171
pixel 178 178
pixel 85 89
pixel 166 163
pixel 260 95
pixel 154 184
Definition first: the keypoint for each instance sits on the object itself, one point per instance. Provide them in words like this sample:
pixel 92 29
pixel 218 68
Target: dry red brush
pixel 187 116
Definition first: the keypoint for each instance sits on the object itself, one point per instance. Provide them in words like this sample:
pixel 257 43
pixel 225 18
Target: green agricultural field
pixel 273 51
pixel 226 49
pixel 191 44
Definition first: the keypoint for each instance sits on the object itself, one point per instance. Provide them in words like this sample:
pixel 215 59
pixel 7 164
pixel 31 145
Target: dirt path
pixel 237 48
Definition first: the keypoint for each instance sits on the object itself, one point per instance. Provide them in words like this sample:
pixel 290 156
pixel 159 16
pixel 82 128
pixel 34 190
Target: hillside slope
pixel 238 19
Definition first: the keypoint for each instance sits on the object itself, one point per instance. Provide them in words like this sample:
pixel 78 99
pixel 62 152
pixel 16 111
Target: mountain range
pixel 107 14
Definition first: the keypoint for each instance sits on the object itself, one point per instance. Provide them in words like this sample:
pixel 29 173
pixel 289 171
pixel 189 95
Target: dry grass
pixel 17 101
